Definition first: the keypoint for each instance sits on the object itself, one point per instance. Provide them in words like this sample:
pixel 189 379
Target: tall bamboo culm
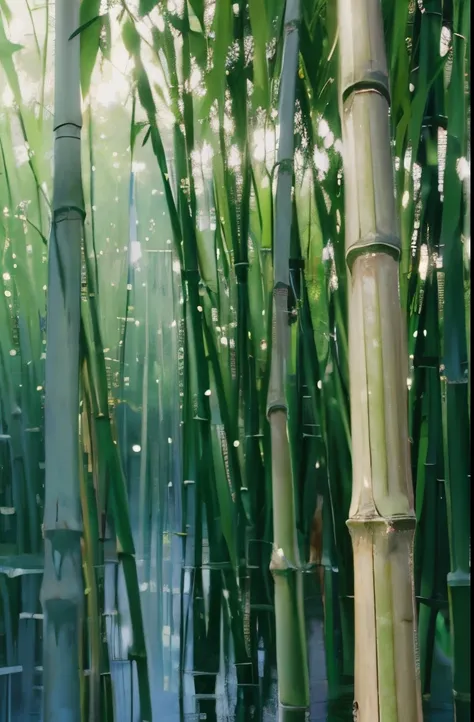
pixel 293 685
pixel 381 517
pixel 62 591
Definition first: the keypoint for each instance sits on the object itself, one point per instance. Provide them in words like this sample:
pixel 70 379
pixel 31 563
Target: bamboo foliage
pixel 454 370
pixel 185 481
pixel 381 517
pixel 433 234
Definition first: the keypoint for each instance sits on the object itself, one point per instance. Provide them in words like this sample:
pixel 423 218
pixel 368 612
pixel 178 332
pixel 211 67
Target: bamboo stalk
pixel 62 592
pixel 381 516
pixel 293 685
pixel 455 374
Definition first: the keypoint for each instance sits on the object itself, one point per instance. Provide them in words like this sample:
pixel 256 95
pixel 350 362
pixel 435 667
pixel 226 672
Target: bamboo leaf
pixel 146 6
pixel 131 37
pixel 198 9
pixel 6 10
pixel 84 26
pixel 90 28
pixel 259 25
pixel 215 82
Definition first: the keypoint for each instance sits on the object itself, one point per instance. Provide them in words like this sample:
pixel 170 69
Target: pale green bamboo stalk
pixel 293 685
pixel 143 539
pixel 381 516
pixel 62 592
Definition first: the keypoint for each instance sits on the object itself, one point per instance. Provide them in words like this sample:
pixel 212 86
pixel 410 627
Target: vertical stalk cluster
pixel 381 517
pixel 62 591
pixel 285 561
pixel 454 371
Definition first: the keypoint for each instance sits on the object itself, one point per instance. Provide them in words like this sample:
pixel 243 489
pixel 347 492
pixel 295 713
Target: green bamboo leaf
pixel 6 10
pixel 146 6
pixel 198 9
pixel 215 82
pixel 135 130
pixel 147 137
pixel 7 48
pixel 144 91
pixel 418 108
pixel 85 25
pixel 131 37
pixel 89 30
pixel 198 48
pixel 258 22
pixel 38 230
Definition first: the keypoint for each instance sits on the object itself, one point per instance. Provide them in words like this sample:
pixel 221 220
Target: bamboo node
pixel 459 578
pixel 285 165
pixel 287 710
pixel 373 243
pixel 393 524
pixel 373 82
pixel 292 25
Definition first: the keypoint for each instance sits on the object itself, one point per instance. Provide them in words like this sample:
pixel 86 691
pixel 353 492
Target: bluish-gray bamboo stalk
pixel 293 686
pixel 62 592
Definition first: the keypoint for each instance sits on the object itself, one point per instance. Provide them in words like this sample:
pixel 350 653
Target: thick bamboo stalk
pixel 293 686
pixel 381 517
pixel 62 591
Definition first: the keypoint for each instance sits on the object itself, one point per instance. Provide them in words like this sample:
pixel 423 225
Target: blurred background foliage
pixel 180 129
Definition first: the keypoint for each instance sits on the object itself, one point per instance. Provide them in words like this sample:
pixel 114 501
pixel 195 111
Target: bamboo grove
pixel 234 237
